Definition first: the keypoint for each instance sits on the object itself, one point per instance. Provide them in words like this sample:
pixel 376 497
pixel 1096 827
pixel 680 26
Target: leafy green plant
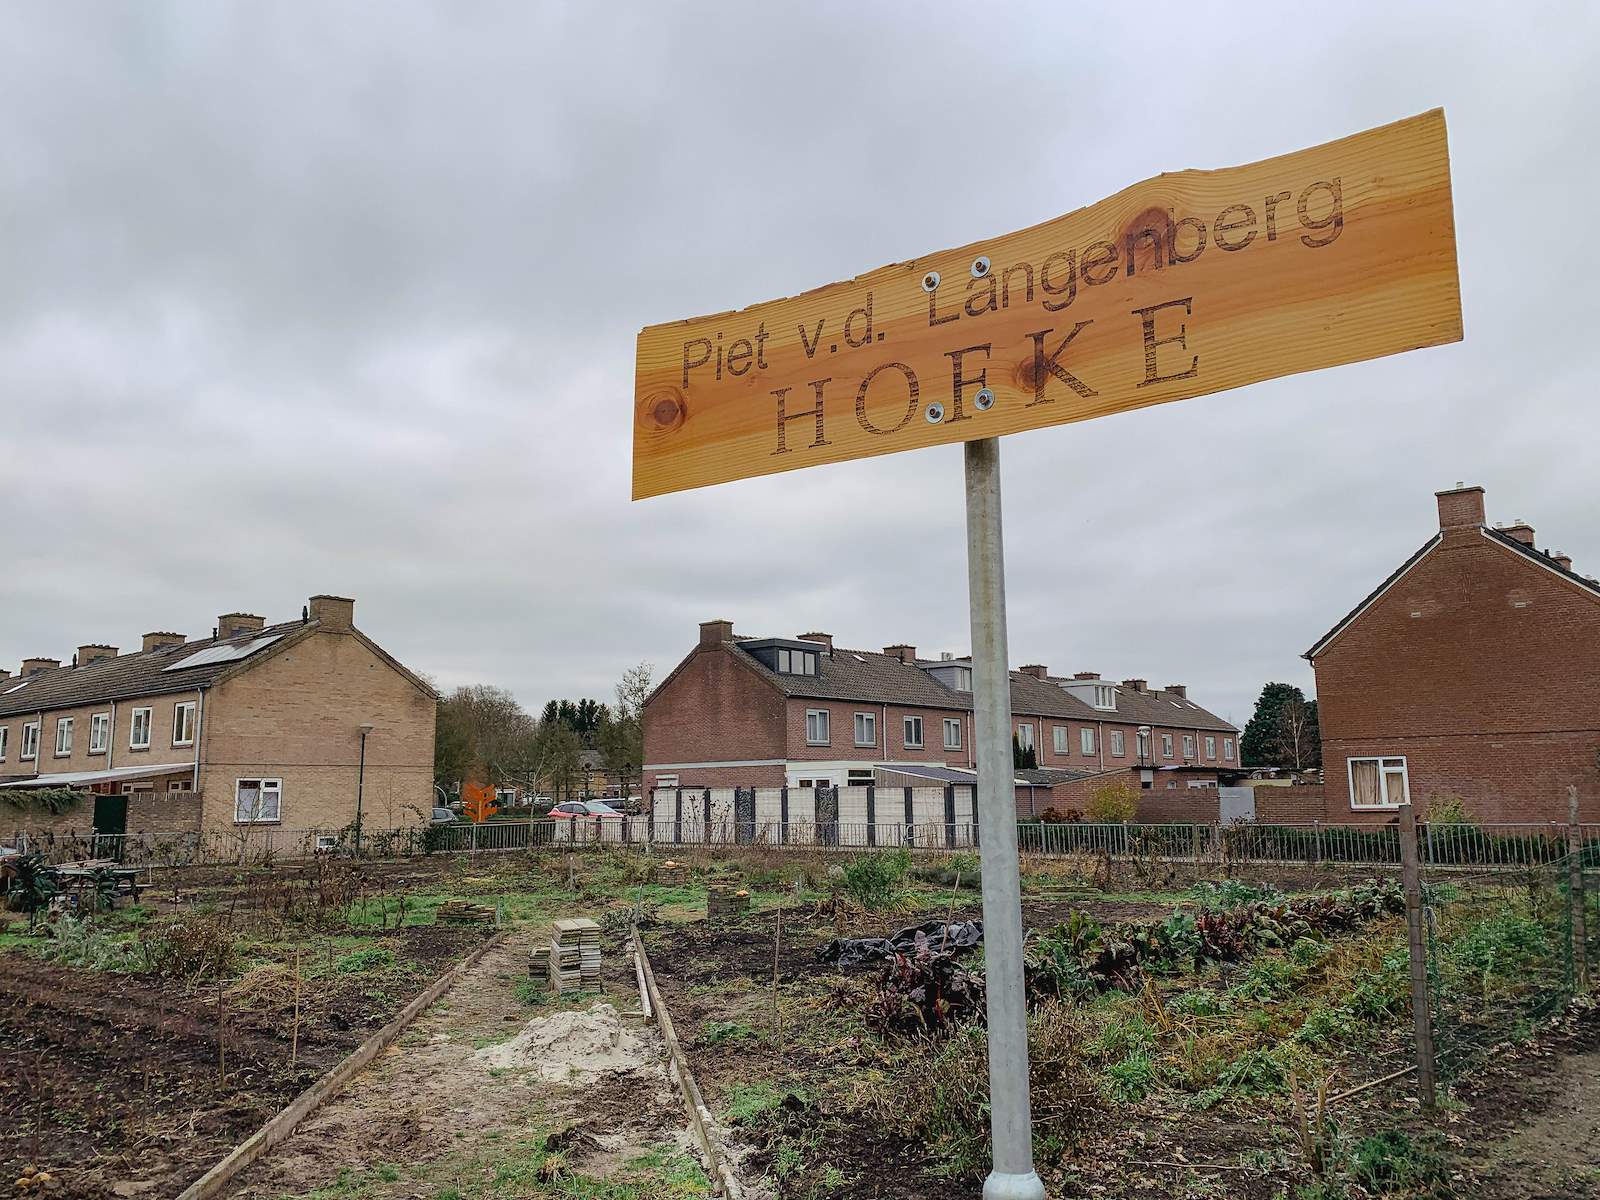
pixel 873 880
pixel 1131 1078
pixel 726 1031
pixel 369 958
pixel 1393 1161
pixel 82 943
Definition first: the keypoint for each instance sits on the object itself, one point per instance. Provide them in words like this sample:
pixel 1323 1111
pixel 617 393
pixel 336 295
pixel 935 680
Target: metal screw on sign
pixel 980 266
pixel 930 281
pixel 935 413
pixel 984 400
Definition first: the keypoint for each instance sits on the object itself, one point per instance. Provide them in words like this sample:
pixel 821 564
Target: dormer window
pixel 1105 698
pixel 796 662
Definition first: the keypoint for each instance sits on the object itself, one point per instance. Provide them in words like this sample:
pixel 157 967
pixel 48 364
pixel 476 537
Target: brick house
pixel 257 725
pixel 1472 671
pixel 800 712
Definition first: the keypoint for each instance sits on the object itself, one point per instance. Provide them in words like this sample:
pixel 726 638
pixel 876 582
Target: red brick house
pixel 1473 671
pixel 799 712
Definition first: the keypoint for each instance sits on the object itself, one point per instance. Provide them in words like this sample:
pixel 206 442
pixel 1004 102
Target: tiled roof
pixel 142 673
pixel 875 678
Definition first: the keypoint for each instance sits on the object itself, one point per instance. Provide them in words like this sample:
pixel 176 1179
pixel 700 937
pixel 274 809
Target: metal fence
pixel 937 827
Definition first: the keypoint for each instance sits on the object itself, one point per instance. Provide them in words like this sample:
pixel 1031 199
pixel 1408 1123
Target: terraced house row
pixel 290 725
pixel 800 712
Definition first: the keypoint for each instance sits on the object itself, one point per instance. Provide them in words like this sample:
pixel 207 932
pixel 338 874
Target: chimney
pixel 825 638
pixel 94 652
pixel 229 624
pixel 4 674
pixel 32 666
pixel 334 613
pixel 1180 690
pixel 1086 675
pixel 906 654
pixel 1519 531
pixel 1137 685
pixel 154 641
pixel 714 633
pixel 1564 561
pixel 1037 670
pixel 1460 507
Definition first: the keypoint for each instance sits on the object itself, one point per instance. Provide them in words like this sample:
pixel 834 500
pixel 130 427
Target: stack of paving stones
pixel 726 902
pixel 465 913
pixel 575 956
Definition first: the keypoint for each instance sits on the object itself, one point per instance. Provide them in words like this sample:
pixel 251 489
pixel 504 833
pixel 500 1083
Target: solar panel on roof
pixel 224 652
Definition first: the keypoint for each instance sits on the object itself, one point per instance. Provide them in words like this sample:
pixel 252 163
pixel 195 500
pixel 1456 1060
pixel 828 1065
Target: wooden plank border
pixel 280 1126
pixel 723 1181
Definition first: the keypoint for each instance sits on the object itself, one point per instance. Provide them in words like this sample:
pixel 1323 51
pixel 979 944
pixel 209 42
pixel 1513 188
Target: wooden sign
pixel 1182 285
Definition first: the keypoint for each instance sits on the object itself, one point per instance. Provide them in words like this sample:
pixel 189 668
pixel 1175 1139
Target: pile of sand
pixel 574 1046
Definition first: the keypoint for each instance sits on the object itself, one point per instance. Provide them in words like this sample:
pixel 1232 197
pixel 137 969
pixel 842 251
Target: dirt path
pixel 466 1103
pixel 1553 1153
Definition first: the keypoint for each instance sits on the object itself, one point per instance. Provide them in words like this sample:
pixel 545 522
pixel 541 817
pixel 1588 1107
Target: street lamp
pixel 361 779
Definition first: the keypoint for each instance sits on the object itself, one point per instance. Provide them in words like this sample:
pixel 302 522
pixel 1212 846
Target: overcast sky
pixel 337 297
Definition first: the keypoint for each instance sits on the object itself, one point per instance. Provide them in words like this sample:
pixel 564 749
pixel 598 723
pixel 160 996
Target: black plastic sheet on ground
pixel 931 937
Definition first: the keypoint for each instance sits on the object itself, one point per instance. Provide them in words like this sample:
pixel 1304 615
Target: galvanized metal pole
pixel 1010 1123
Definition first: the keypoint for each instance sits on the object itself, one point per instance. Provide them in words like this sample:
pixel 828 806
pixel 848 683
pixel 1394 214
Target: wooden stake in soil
pixel 1421 1017
pixel 222 1038
pixel 777 1010
pixel 1580 920
pixel 294 1037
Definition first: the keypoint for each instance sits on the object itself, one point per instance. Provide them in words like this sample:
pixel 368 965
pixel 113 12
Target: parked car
pixel 443 816
pixel 580 809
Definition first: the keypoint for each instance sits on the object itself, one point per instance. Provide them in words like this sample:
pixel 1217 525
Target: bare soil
pixel 117 1078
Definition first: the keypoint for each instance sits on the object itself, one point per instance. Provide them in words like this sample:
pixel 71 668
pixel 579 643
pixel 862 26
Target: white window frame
pixel 817 717
pixel 30 742
pixel 1119 744
pixel 867 722
pixel 1227 749
pixel 1058 739
pixel 64 737
pixel 1025 736
pixel 952 724
pixel 911 732
pixel 1211 746
pixel 5 739
pixel 1188 746
pixel 183 716
pixel 99 732
pixel 180 785
pixel 860 777
pixel 1105 697
pixel 264 787
pixel 1383 761
pixel 146 715
pixel 1086 739
pixel 1166 745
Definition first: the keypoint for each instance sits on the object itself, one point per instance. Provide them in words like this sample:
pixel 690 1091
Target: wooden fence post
pixel 1194 831
pixel 1421 1017
pixel 872 815
pixel 1580 918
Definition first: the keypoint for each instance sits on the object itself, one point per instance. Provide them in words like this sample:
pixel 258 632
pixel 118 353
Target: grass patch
pixel 359 962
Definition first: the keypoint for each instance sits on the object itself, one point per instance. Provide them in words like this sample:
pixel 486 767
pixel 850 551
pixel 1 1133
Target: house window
pixel 666 781
pixel 30 740
pixel 952 733
pixel 99 733
pixel 1227 749
pixel 816 727
pixel 1188 746
pixel 1119 744
pixel 1377 782
pixel 1166 745
pixel 180 785
pixel 913 733
pixel 257 800
pixel 1105 698
pixel 866 729
pixel 183 723
pixel 63 737
pixel 861 778
pixel 796 662
pixel 1211 747
pixel 1025 737
pixel 5 735
pixel 139 729
pixel 1058 736
pixel 1086 739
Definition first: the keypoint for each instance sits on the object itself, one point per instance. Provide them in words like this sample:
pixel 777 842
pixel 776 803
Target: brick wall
pixel 1482 669
pixel 118 753
pixel 713 708
pixel 296 717
pixel 1293 806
